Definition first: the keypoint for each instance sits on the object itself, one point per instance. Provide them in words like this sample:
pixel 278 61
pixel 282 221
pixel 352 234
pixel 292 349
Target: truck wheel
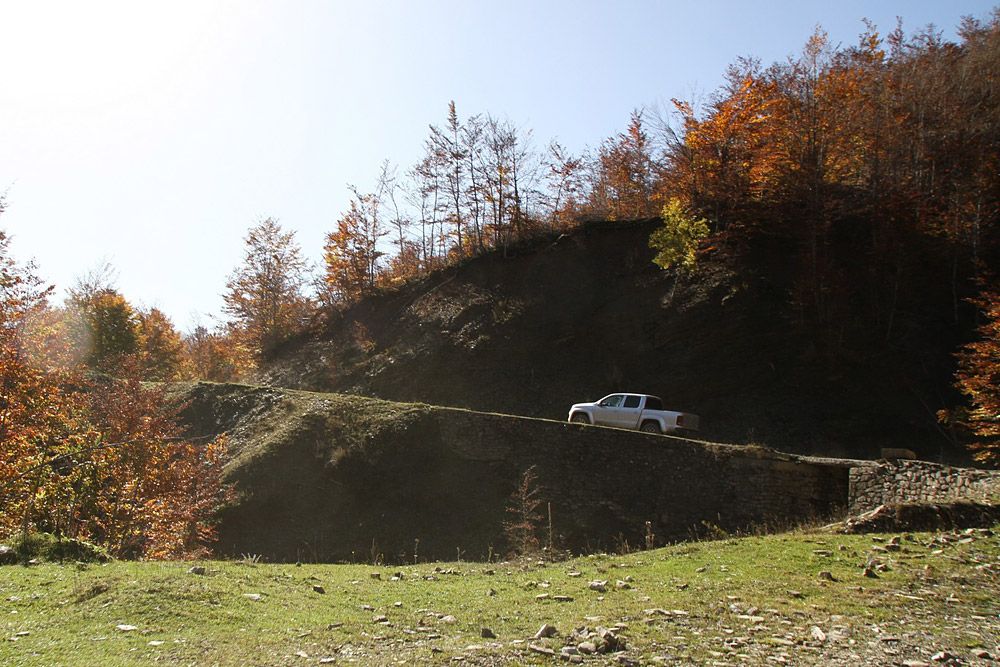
pixel 649 427
pixel 580 418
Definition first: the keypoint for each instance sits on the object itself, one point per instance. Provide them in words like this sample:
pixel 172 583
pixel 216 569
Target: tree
pixel 161 351
pixel 217 356
pixel 103 324
pixel 265 295
pixel 625 182
pixel 978 378
pixel 351 254
pixel 676 242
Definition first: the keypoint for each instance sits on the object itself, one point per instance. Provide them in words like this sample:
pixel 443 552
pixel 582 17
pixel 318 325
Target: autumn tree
pixel 217 356
pixel 351 254
pixel 624 186
pixel 265 296
pixel 99 459
pixel 978 378
pixel 161 351
pixel 104 325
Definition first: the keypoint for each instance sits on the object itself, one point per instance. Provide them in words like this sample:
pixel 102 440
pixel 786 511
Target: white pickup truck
pixel 633 411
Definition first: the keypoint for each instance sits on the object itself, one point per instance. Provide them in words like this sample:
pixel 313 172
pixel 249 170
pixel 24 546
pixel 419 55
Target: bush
pixel 48 547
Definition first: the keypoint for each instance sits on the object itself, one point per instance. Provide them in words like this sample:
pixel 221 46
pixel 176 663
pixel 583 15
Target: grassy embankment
pixel 752 600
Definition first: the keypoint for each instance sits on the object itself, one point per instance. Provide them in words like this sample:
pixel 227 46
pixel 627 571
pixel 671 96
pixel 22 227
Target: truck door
pixel 606 412
pixel 629 412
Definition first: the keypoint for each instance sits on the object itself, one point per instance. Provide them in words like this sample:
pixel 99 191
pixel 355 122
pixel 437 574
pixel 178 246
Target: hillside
pixel 574 317
pixel 327 477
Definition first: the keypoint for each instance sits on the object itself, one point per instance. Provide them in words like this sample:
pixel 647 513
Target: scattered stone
pixel 542 596
pixel 538 648
pixel 598 585
pixel 155 642
pixel 622 585
pixel 562 598
pixel 397 604
pixel 126 628
pixel 983 654
pixel 334 626
pixel 487 633
pixel 816 633
pixel 302 654
pixel 254 597
pixel 367 607
pixel 491 593
pixel 22 633
pixel 545 631
pixel 795 594
pixel 915 663
pixel 826 575
pixel 943 656
pixel 825 553
pixel 587 648
pixel 573 574
pixel 318 589
pixel 870 572
pixel 449 619
pixel 327 661
pixel 197 569
pixel 703 568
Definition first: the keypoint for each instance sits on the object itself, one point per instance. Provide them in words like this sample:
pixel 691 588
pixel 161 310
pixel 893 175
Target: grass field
pixel 799 598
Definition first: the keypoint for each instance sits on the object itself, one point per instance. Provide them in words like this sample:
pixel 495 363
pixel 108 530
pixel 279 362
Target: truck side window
pixel 631 402
pixel 612 401
pixel 653 403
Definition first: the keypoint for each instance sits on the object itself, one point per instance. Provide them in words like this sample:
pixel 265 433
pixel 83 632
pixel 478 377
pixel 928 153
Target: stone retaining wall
pixel 879 483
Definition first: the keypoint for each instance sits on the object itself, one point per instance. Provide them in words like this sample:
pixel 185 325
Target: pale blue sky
pixel 153 135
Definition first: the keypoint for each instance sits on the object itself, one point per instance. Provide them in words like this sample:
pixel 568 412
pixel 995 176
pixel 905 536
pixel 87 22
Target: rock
pixel 915 663
pixel 816 633
pixel 255 597
pixel 125 628
pixel 327 661
pixel 587 648
pixel 302 654
pixel 795 594
pixel 545 631
pixel 318 589
pixel 486 633
pixel 826 575
pixel 376 575
pixel 622 585
pixel 562 598
pixel 943 656
pixel 367 607
pixel 380 619
pixel 197 569
pixel 542 596
pixel 449 619
pixel 7 555
pixel 155 642
pixel 598 585
pixel 982 654
pixel 870 572
pixel 822 552
pixel 538 648
pixel 491 592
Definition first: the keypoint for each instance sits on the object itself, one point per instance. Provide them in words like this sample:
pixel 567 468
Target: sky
pixel 152 136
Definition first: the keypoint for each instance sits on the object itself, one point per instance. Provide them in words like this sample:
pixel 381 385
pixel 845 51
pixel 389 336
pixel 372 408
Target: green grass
pixel 744 600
